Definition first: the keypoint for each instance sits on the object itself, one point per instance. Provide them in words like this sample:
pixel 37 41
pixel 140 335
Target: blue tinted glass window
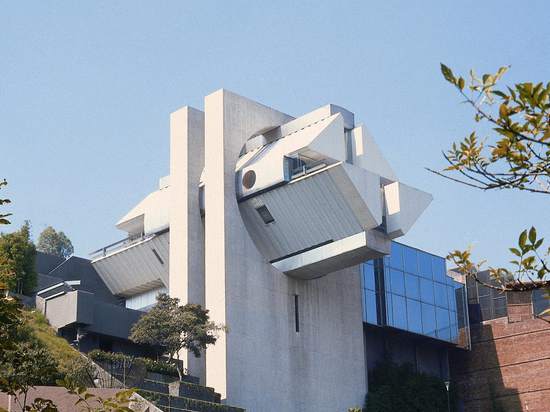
pixel 451 295
pixel 441 295
pixel 410 260
pixel 397 282
pixel 427 291
pixel 428 319
pixel 370 307
pixel 425 265
pixel 412 286
pixel 414 316
pixel 389 310
pixel 368 277
pixel 443 325
pixel 396 256
pixel 438 269
pixel 399 312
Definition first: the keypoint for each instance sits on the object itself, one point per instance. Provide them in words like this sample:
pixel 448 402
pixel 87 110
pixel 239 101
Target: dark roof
pixel 46 263
pixel 45 281
pixel 52 270
pixel 77 268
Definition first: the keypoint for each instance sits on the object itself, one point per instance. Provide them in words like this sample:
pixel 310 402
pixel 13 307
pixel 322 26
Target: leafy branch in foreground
pixel 517 155
pixel 531 266
pixel 88 402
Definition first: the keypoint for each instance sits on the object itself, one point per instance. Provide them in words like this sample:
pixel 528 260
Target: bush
pixel 80 373
pixel 399 388
pixel 150 364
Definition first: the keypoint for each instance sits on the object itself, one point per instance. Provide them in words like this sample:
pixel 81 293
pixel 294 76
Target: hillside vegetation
pixel 70 363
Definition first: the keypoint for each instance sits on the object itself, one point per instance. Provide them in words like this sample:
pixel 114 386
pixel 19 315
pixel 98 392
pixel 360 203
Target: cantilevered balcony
pixel 135 264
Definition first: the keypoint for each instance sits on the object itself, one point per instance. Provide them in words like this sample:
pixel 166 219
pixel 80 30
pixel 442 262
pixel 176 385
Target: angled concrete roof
pixel 137 267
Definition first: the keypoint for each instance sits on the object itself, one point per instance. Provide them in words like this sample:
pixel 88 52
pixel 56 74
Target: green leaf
pixel 502 70
pixel 460 83
pixel 532 234
pixel 503 110
pixel 448 74
pixel 515 251
pixel 528 261
pixel 522 240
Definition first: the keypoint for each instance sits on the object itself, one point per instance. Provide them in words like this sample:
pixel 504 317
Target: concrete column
pixel 186 280
pixel 263 363
pixel 229 121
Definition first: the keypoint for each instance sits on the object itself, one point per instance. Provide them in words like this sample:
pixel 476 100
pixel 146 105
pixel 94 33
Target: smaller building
pixel 79 305
pixel 508 367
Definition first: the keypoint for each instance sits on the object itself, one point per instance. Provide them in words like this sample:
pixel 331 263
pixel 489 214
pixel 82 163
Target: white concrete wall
pixel 148 216
pixel 262 363
pixel 186 280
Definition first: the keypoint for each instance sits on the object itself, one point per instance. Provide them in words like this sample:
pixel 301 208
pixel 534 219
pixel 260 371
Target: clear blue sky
pixel 86 89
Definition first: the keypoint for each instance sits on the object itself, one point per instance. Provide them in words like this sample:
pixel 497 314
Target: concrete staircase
pixel 183 396
pixel 168 394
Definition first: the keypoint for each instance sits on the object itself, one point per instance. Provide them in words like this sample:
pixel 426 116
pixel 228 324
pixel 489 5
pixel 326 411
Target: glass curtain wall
pixel 485 303
pixel 410 290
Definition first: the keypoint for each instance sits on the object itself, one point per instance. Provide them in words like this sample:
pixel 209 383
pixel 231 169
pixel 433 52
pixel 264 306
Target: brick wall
pixel 508 368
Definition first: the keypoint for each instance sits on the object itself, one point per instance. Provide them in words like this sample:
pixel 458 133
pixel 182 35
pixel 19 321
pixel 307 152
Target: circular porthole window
pixel 249 179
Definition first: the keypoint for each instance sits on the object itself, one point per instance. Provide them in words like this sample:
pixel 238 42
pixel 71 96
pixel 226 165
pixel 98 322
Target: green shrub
pixel 80 373
pixel 398 388
pixel 150 364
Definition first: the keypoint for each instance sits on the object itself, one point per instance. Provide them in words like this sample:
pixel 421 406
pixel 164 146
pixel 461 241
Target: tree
pixel 30 364
pixel 24 360
pixel 172 327
pixel 3 216
pixel 17 260
pixel 10 321
pixel 54 243
pixel 515 156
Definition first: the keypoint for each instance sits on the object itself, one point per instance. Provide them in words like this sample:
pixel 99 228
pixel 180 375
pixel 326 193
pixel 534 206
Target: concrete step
pixel 184 389
pixel 170 403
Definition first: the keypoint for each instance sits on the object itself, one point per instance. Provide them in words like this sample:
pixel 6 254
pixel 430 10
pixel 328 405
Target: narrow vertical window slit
pixel 296 314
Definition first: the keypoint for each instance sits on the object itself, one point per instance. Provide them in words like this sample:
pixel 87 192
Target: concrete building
pixel 283 228
pixel 80 306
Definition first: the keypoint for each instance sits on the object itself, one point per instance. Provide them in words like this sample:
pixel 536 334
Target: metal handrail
pixel 128 241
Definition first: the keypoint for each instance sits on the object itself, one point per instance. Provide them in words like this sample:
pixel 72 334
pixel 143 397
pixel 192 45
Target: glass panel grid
pixel 416 291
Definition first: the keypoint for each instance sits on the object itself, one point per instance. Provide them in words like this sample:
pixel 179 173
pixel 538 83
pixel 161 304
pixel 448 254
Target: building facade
pixel 80 306
pixel 284 228
pixel 508 366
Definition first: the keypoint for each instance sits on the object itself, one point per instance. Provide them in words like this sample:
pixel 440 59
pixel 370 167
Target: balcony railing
pixel 123 244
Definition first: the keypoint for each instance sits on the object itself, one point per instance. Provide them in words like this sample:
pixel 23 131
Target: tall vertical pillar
pixel 266 362
pixel 186 280
pixel 229 121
